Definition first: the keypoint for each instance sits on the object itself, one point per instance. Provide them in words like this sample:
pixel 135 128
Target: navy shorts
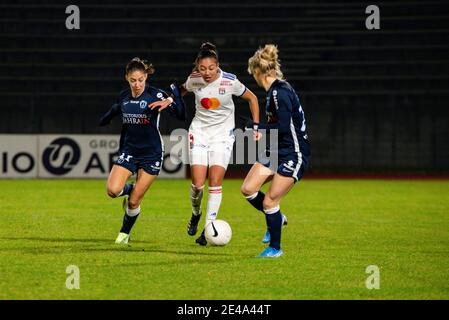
pixel 150 164
pixel 292 165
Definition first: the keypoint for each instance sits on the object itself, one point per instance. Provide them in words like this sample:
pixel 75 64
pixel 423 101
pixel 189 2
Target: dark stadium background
pixel 375 100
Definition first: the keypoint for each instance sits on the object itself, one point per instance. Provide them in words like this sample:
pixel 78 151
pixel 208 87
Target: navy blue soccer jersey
pixel 140 134
pixel 285 113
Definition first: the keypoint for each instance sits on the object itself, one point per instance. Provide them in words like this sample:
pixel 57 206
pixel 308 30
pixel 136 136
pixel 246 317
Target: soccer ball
pixel 218 233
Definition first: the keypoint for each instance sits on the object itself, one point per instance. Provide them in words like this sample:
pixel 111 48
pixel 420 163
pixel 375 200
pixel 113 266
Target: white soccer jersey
pixel 213 101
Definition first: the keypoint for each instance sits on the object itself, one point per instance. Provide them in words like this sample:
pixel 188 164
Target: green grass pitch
pixel 337 228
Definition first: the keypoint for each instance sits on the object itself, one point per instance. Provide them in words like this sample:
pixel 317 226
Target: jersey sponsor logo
pixel 61 156
pixel 197 84
pixel 221 90
pixel 143 104
pixel 210 103
pixel 131 118
pixel 226 83
pixel 275 93
pixel 131 101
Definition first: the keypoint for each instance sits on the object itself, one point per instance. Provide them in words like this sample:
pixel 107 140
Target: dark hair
pixel 139 64
pixel 207 50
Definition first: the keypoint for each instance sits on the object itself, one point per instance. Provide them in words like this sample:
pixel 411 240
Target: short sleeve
pixel 188 85
pixel 238 88
pixel 194 81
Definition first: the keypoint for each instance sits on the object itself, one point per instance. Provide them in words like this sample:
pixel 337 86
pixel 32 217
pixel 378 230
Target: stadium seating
pixel 375 100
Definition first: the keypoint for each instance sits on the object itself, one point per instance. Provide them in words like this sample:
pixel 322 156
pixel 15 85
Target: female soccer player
pixel 211 133
pixel 141 146
pixel 285 115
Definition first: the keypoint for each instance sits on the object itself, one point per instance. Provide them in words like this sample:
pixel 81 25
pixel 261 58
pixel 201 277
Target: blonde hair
pixel 266 60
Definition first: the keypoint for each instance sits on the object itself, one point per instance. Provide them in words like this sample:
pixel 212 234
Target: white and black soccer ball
pixel 218 233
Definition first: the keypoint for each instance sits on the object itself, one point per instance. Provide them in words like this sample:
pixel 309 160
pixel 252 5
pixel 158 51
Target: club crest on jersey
pixel 143 104
pixel 221 90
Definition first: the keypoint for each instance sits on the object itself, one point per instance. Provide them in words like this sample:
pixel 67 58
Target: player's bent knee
pixel 246 190
pixel 113 193
pixel 215 183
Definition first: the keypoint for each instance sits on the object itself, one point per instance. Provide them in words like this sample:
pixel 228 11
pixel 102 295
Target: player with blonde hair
pixel 286 115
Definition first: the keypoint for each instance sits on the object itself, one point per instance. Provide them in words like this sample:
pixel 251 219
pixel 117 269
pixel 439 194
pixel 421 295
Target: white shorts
pixel 210 150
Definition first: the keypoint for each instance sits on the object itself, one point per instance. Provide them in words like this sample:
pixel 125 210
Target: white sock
pixel 252 196
pixel 213 203
pixel 272 210
pixel 132 212
pixel 196 194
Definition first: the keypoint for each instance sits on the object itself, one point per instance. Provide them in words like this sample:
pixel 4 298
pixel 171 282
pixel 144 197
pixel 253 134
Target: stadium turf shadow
pixel 106 241
pixel 111 247
pixel 156 250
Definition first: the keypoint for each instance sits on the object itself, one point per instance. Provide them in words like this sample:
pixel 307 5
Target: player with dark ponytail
pixel 141 147
pixel 211 133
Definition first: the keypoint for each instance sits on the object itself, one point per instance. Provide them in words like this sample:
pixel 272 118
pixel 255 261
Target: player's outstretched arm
pixel 108 116
pixel 178 109
pixel 173 101
pixel 251 98
pixel 284 114
pixel 161 104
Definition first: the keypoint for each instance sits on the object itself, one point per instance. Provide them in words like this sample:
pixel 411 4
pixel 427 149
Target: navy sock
pixel 274 223
pixel 127 189
pixel 128 223
pixel 257 202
